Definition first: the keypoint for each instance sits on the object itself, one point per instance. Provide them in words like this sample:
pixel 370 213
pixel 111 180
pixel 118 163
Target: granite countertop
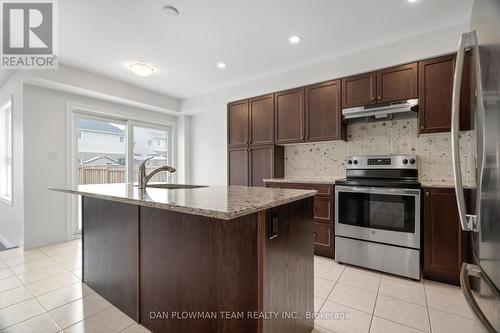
pixel 328 181
pixel 221 202
pixel 446 184
pixel 424 183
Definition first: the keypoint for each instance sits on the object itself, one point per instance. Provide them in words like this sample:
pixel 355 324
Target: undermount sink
pixel 174 186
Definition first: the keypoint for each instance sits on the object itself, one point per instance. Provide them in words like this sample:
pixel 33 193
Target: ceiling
pixel 251 37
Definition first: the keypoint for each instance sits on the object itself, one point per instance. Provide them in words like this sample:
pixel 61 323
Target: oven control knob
pixel 412 161
pixel 355 162
pixel 349 162
pixel 405 161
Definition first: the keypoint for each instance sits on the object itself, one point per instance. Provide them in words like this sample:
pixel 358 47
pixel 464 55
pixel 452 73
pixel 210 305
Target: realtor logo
pixel 28 38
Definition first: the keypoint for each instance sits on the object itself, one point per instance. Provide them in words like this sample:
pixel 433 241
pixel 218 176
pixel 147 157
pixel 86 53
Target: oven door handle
pixel 378 190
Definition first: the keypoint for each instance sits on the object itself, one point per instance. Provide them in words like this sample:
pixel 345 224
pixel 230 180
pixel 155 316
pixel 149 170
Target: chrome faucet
pixel 144 179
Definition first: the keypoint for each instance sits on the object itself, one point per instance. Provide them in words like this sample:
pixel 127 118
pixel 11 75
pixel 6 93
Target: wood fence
pixel 111 174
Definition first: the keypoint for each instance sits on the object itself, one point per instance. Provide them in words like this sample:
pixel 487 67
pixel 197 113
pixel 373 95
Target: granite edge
pixel 191 210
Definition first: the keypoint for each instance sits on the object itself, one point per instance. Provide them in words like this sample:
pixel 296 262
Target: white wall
pixel 12 216
pixel 45 140
pixel 209 109
pixel 208 149
pixel 183 149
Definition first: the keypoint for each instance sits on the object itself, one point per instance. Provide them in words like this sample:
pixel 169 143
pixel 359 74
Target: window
pixel 122 139
pixel 6 152
pixel 144 138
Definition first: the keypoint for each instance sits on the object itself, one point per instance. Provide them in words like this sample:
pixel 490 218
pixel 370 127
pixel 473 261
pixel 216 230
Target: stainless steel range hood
pixel 381 110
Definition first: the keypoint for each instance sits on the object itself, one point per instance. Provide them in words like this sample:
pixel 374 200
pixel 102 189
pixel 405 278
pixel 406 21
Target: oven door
pixel 383 215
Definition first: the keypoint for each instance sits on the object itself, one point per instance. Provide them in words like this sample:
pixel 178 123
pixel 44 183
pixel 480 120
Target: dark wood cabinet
pixel 397 83
pixel 249 166
pixel 359 90
pixel 323 112
pixel 323 230
pixel 265 162
pixel 445 244
pixel 252 155
pixel 238 166
pixel 435 94
pixel 383 86
pixel 289 116
pixel 238 120
pixel 261 120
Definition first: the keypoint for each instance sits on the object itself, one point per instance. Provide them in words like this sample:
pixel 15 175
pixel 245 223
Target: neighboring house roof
pixel 155 158
pixel 101 160
pixel 100 126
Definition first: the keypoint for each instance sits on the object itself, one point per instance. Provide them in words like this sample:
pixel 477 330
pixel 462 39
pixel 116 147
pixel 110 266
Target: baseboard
pixel 44 242
pixel 6 242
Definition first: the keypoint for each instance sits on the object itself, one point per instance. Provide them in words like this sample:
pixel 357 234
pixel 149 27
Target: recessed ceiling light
pixel 412 1
pixel 141 69
pixel 221 65
pixel 170 11
pixel 294 39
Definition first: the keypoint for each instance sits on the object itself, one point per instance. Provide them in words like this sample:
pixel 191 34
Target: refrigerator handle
pixel 473 270
pixel 467 222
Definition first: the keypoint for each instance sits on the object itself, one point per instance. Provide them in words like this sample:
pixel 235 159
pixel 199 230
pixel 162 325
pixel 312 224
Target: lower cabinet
pixel 323 231
pixel 249 166
pixel 446 246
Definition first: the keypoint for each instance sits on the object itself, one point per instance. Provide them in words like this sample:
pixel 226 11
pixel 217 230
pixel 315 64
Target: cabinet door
pixel 435 97
pixel 323 112
pixel 262 120
pixel 397 83
pixel 289 116
pixel 238 166
pixel 261 165
pixel 238 124
pixel 445 244
pixel 359 90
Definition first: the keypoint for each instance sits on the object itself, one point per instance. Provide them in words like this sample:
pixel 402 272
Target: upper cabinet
pixel 386 85
pixel 435 97
pixel 238 120
pixel 311 113
pixel 323 112
pixel 289 116
pixel 397 83
pixel 251 121
pixel 359 90
pixel 262 120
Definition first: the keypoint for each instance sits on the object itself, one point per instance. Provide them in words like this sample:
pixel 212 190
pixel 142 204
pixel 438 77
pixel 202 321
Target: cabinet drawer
pixel 322 234
pixel 323 209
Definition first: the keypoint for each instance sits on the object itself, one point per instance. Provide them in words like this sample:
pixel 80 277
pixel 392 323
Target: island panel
pixel 110 252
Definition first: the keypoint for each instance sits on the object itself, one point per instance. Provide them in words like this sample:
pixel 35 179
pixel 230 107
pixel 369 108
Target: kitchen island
pixel 206 259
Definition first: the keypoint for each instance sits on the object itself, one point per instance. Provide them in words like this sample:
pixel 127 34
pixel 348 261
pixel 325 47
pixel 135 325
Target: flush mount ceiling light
pixel 141 69
pixel 294 39
pixel 221 65
pixel 170 11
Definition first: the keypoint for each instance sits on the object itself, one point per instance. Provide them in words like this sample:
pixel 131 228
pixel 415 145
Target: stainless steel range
pixel 377 214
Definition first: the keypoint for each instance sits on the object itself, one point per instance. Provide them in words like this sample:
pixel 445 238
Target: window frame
pixel 10 137
pixel 75 109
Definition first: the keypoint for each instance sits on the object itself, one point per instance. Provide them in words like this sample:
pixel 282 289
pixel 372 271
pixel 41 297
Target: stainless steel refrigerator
pixel 480 280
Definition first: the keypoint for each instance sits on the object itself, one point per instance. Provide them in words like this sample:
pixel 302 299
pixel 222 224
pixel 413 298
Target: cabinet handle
pixel 315 235
pixel 427 194
pixel 379 98
pixel 373 98
pixel 302 137
pixel 421 127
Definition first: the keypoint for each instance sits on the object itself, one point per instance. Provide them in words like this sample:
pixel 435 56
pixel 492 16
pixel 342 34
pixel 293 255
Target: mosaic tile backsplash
pixel 392 137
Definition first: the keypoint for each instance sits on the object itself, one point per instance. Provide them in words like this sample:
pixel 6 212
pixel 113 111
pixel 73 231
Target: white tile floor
pixel 41 291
